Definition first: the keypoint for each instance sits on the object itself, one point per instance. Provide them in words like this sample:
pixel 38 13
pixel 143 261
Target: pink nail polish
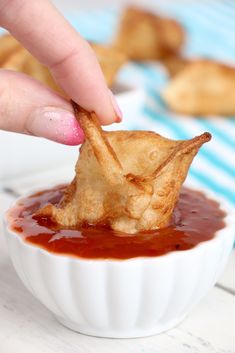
pixel 118 119
pixel 56 124
pixel 116 107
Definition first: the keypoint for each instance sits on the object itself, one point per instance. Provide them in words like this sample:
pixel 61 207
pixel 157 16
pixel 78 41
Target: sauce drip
pixel 195 219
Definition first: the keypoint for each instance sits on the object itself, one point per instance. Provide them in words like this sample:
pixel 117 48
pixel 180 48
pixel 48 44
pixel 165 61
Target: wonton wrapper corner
pixel 129 180
pixel 143 35
pixel 111 59
pixel 175 63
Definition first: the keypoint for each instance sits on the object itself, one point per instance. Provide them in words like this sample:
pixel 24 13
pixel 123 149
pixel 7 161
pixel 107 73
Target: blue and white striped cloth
pixel 210 27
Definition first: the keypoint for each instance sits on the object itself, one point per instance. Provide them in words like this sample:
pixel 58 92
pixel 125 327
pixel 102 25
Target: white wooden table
pixel 27 327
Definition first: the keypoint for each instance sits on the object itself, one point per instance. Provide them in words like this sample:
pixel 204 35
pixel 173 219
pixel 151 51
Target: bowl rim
pixel 122 88
pixel 229 228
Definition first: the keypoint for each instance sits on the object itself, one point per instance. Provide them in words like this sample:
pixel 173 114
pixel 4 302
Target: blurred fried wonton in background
pixel 111 59
pixel 8 45
pixel 145 36
pixel 14 57
pixel 204 87
pixel 129 180
pixel 175 63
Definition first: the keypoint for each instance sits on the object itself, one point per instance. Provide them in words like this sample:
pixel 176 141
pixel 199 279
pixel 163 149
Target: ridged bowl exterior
pixel 122 298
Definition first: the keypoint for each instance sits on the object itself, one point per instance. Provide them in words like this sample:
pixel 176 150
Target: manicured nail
pixel 116 107
pixel 55 124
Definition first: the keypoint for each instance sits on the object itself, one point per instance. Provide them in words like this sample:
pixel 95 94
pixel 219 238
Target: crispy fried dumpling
pixel 21 60
pixel 15 57
pixel 129 180
pixel 8 45
pixel 174 64
pixel 145 36
pixel 204 87
pixel 111 59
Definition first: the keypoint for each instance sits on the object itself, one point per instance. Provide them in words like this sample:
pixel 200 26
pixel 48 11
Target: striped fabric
pixel 211 32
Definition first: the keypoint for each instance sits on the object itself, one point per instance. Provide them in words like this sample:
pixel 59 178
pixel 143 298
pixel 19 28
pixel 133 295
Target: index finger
pixel 55 43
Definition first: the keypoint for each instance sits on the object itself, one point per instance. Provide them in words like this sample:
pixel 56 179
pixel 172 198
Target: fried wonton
pixel 204 87
pixel 21 60
pixel 8 45
pixel 175 64
pixel 14 57
pixel 129 180
pixel 144 36
pixel 111 59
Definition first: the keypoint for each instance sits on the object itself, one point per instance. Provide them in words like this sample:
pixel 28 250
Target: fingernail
pixel 116 107
pixel 55 124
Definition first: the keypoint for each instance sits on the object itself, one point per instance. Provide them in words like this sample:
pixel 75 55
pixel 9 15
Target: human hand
pixel 26 105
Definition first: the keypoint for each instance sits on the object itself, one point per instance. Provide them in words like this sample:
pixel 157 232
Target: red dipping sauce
pixel 195 219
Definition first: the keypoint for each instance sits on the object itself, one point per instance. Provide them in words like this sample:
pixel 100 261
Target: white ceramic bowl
pixel 122 298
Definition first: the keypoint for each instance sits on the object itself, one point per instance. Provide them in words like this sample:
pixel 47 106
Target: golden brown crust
pixel 175 63
pixel 14 57
pixel 182 148
pixel 21 60
pixel 127 179
pixel 203 87
pixel 111 59
pixel 8 45
pixel 145 36
pixel 103 151
pixel 15 60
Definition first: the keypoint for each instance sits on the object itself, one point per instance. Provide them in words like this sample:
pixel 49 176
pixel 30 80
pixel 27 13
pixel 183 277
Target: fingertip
pixel 55 124
pixel 70 133
pixel 117 110
pixel 109 111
